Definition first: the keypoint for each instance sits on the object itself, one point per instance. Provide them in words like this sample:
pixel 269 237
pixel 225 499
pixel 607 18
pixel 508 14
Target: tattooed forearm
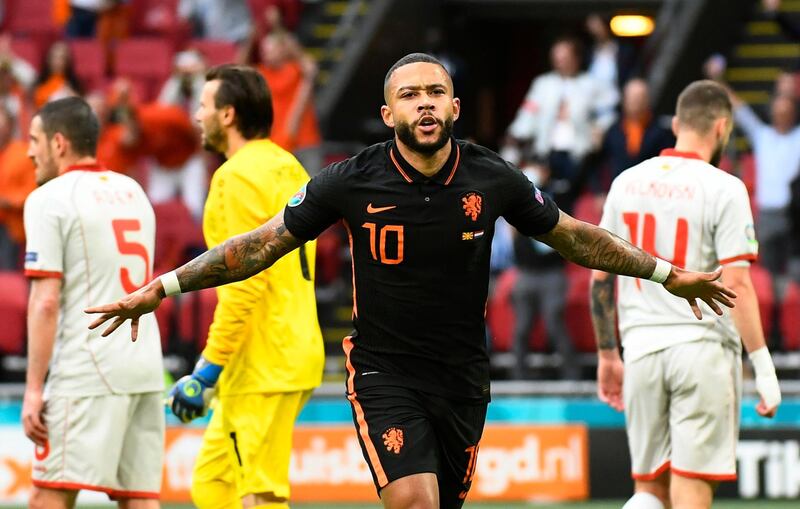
pixel 597 248
pixel 604 312
pixel 239 257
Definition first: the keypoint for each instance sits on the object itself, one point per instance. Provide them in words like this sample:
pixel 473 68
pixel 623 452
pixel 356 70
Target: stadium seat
pixel 13 310
pixel 177 235
pixel 587 209
pixel 90 62
pixel 195 314
pixel 577 313
pixel 790 318
pixel 147 60
pixel 31 18
pixel 501 321
pixel 165 315
pixel 28 49
pixel 329 258
pixel 215 52
pixel 762 282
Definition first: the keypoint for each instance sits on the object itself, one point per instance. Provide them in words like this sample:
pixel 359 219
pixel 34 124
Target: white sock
pixel 643 500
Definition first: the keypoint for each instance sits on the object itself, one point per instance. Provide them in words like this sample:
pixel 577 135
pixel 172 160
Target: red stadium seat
pixel 790 317
pixel 165 315
pixel 501 321
pixel 31 17
pixel 577 313
pixel 90 62
pixel 195 314
pixel 13 310
pixel 176 234
pixel 147 60
pixel 762 282
pixel 215 52
pixel 28 49
pixel 587 209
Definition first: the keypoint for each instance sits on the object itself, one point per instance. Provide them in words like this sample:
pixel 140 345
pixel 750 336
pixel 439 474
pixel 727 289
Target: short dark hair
pixel 412 58
pixel 75 120
pixel 245 89
pixel 701 103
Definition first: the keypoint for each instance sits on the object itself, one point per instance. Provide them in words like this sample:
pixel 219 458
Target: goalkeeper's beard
pixel 214 139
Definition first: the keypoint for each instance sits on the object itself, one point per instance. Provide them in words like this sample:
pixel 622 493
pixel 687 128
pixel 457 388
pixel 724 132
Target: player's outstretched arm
pixel 235 259
pixel 596 248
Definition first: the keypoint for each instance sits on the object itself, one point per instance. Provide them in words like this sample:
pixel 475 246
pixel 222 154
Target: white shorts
pixel 682 411
pixel 112 443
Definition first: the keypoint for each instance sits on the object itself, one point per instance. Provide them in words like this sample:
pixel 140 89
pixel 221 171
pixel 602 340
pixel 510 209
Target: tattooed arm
pixel 596 248
pixel 238 257
pixel 604 310
pixel 610 370
pixel 235 259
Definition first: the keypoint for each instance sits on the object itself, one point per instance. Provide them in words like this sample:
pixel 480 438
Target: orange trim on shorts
pixel 361 421
pixel 705 477
pixel 352 267
pixel 455 165
pixel 749 257
pixel 58 485
pixel 43 273
pixel 653 475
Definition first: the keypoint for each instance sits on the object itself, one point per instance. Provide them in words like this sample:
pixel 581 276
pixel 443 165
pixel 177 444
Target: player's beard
pixel 214 138
pixel 405 132
pixel 46 169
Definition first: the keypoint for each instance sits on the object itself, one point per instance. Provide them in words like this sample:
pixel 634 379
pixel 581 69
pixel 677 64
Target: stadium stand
pixel 13 308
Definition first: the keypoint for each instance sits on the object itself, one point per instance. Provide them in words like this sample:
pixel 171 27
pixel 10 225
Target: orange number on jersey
pixel 385 230
pixel 126 247
pixel 631 219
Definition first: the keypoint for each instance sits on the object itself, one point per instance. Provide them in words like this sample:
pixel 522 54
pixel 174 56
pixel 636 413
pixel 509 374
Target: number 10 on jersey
pixel 377 242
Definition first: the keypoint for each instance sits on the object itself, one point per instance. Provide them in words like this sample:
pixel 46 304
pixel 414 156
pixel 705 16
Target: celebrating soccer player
pixel 420 211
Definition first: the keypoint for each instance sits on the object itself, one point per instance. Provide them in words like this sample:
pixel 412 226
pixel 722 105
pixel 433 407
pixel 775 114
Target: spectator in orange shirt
pixel 57 78
pixel 117 145
pixel 291 83
pixel 17 180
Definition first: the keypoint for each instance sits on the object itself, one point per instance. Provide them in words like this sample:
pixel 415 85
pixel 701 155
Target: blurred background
pixel 141 65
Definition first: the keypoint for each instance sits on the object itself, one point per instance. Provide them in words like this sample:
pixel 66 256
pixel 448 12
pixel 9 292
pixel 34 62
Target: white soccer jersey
pixel 692 214
pixel 95 229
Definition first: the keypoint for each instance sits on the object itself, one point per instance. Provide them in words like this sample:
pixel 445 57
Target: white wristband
pixel 767 384
pixel 170 283
pixel 661 272
pixel 762 362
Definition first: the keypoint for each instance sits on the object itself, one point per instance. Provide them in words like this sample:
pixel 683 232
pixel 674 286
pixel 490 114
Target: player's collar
pixel 85 167
pixel 671 152
pixel 410 174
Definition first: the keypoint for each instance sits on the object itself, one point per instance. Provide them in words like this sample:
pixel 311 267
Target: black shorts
pixel 403 431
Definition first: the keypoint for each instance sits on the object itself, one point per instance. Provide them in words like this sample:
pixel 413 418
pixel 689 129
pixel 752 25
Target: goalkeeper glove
pixel 190 396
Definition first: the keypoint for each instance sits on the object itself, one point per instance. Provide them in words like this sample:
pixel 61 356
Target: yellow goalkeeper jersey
pixel 265 330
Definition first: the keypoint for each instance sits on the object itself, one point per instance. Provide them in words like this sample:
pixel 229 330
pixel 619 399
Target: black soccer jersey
pixel 420 247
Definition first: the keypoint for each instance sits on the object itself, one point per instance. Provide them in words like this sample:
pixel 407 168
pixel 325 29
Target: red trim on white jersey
pixel 59 485
pixel 748 256
pixel 85 167
pixel 671 152
pixel 43 273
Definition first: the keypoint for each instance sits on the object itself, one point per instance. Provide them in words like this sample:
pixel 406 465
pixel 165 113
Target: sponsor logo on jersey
pixel 298 197
pixel 31 256
pixel 472 203
pixel 393 439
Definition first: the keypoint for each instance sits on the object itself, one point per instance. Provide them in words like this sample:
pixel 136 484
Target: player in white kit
pixel 682 375
pixel 98 420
